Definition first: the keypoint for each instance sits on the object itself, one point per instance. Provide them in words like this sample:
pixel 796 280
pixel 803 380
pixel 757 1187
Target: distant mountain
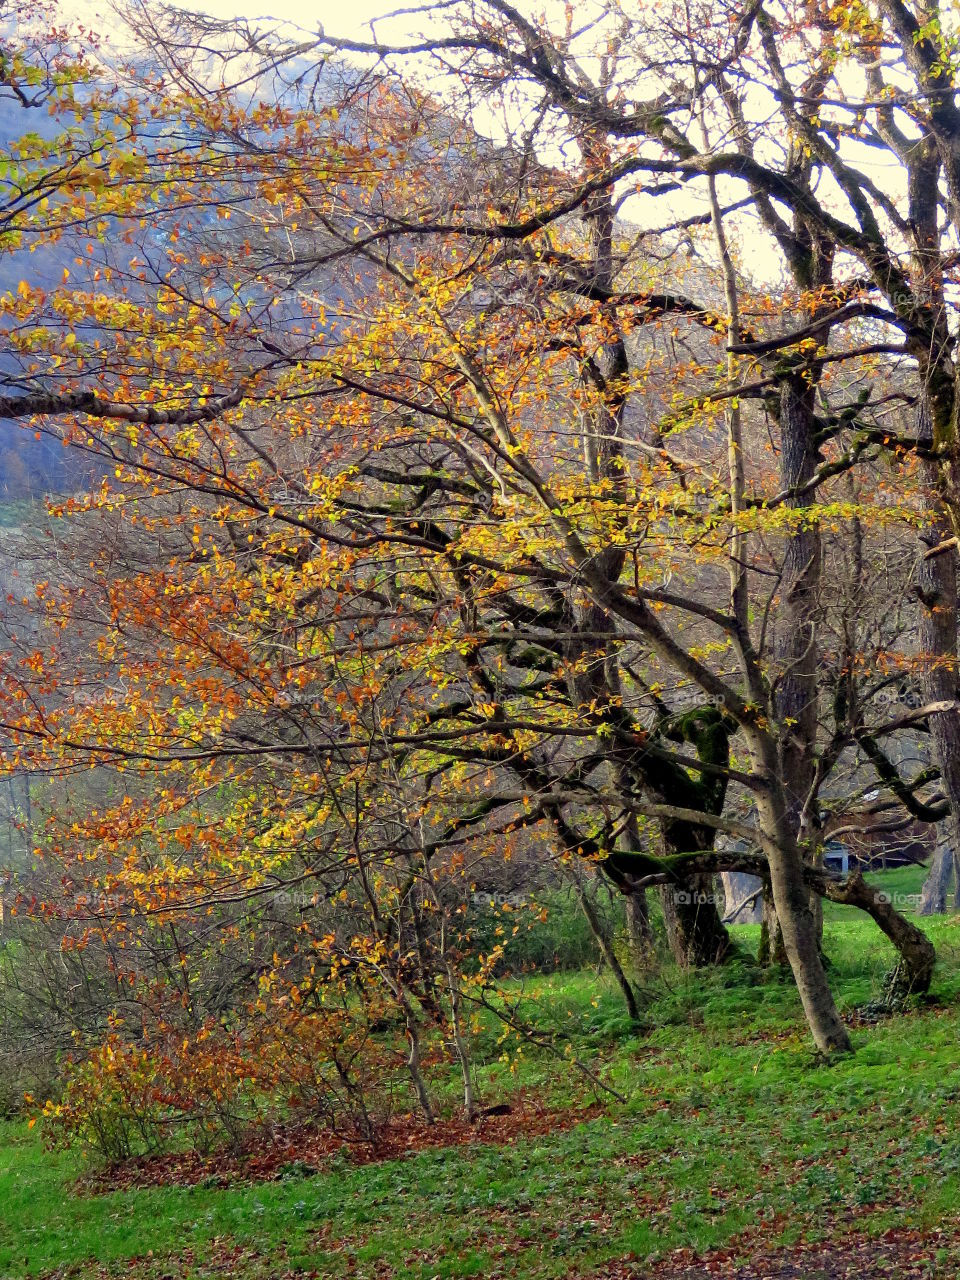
pixel 30 467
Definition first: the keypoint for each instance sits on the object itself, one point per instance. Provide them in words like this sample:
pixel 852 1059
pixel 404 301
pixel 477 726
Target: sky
pixel 342 17
pixel 351 18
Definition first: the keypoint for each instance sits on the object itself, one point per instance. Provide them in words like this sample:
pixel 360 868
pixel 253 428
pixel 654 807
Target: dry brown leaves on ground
pixel 897 1254
pixel 302 1150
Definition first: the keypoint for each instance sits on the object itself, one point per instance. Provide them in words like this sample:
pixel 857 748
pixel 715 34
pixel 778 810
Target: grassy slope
pixel 729 1123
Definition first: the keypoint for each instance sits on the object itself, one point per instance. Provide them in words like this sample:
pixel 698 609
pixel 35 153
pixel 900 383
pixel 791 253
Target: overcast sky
pixel 352 18
pixel 346 17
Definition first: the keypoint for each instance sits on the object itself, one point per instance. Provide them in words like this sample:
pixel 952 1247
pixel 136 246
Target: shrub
pixel 216 1088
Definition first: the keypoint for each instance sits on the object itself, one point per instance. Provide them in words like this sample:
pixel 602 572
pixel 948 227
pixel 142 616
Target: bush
pixel 112 1103
pixel 215 1089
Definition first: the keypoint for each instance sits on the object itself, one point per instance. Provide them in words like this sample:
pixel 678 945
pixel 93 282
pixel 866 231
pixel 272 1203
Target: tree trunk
pixel 791 897
pixel 937 594
pixel 937 576
pixel 742 898
pixel 917 954
pixel 796 646
pixel 802 947
pixel 695 931
pixel 415 1067
pixel 639 933
pixel 770 951
pixel 933 899
pixel 461 1049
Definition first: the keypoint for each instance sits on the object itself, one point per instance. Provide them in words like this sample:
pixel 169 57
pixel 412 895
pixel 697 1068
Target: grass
pixel 731 1125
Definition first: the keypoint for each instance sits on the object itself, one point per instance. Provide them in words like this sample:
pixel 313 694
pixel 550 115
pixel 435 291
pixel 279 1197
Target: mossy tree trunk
pixel 695 931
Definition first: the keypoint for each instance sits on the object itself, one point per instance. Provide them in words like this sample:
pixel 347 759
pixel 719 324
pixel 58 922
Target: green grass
pixel 730 1121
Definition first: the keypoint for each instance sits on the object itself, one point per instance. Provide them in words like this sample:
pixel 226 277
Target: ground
pixel 735 1154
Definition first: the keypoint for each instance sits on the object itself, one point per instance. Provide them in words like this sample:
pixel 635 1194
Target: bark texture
pixel 933 899
pixel 937 594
